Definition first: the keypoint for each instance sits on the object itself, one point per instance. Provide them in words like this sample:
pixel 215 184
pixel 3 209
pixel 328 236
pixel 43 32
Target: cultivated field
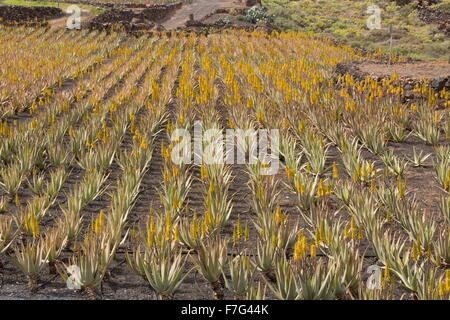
pixel 93 203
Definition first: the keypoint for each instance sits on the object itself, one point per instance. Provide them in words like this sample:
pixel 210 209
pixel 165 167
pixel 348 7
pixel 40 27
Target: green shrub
pixel 257 14
pixel 443 6
pixel 224 21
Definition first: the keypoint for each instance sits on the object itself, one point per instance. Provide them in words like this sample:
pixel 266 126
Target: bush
pixel 257 14
pixel 224 21
pixel 443 6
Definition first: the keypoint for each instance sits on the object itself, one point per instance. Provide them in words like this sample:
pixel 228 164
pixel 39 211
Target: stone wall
pixel 113 4
pixel 28 15
pixel 134 20
pixel 437 83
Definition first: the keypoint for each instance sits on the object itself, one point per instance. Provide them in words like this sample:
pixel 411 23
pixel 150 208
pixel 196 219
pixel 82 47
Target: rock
pixel 195 23
pixel 137 20
pixel 409 94
pixel 351 68
pixel 251 3
pixel 159 27
pixel 444 26
pixel 438 84
pixel 221 10
pixel 408 87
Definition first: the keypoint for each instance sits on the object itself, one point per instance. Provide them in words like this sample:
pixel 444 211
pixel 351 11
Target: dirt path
pixel 199 8
pixel 423 69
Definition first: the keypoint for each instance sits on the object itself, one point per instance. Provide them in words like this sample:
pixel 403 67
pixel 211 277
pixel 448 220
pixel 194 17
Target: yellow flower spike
pixel 335 171
pixel 151 222
pixel 327 189
pixel 301 247
pixel 165 176
pixel 436 117
pixel 305 243
pixel 260 115
pixel 279 215
pixel 17 200
pixel 176 235
pixel 373 187
pixel 235 237
pixel 163 148
pixel 322 231
pixel 175 171
pixel 447 280
pixel 239 228
pixel 289 172
pixel 274 241
pixel 231 123
pixel 321 141
pixel 360 234
pixel 195 226
pixel 208 220
pixel 298 251
pixel 442 289
pixel 155 91
pixel 203 228
pixel 143 144
pixel 168 232
pixel 203 172
pixel 99 222
pixel 169 127
pixel 99 135
pixel 313 251
pixel 321 190
pixel 301 126
pixel 246 232
pixel 329 237
pixel 308 167
pixel 299 187
pixel 401 184
pixel 96 226
pixel 353 228
pixel 181 117
pixel 133 234
pixel 211 188
pixel 160 239
pixel 317 237
pixel 35 228
pixel 346 233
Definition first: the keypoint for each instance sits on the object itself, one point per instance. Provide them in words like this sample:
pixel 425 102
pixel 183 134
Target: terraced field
pixel 93 203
